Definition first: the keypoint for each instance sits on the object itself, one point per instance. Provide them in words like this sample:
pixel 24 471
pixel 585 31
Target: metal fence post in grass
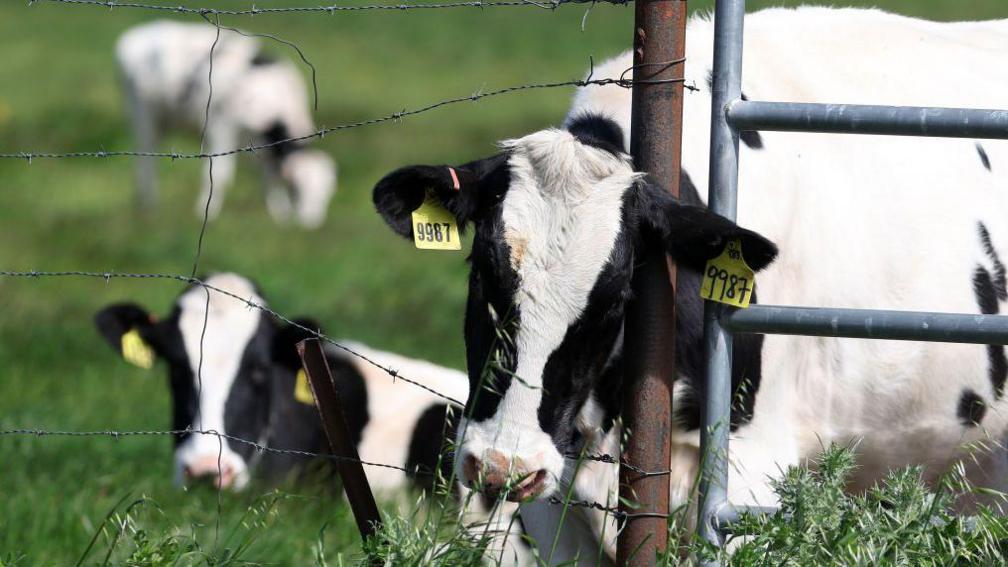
pixel 327 400
pixel 721 198
pixel 655 143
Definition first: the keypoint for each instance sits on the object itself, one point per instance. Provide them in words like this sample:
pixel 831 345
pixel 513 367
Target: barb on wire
pixel 330 9
pixel 605 458
pixel 395 116
pixel 248 302
pixel 615 512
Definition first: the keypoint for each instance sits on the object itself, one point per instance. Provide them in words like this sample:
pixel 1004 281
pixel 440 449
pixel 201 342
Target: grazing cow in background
pixel 862 222
pixel 165 68
pixel 248 386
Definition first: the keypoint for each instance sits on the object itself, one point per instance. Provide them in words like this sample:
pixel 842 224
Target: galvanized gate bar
pixel 729 515
pixel 726 86
pixel 869 324
pixel 869 119
pixel 730 114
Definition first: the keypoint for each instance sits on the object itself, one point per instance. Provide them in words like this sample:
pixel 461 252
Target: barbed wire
pixel 322 132
pixel 115 434
pixel 109 275
pixel 261 448
pixel 330 9
pixel 614 512
pixel 609 459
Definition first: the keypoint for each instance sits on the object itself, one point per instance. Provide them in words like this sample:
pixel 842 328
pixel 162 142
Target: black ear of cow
pixel 465 191
pixel 288 336
pixel 118 319
pixel 599 131
pixel 693 235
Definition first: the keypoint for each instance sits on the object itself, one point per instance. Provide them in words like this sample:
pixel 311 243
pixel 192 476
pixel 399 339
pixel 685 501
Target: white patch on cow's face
pixel 230 325
pixel 561 217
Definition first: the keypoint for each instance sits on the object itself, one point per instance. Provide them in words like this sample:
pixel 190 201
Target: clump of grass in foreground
pixel 433 534
pixel 898 522
pixel 124 539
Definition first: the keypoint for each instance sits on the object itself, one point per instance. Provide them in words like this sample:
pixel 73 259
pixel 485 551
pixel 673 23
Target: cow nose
pixel 218 472
pixel 495 475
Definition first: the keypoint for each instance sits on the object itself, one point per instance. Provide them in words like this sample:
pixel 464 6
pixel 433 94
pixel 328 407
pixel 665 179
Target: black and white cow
pixel 165 68
pixel 249 387
pixel 865 222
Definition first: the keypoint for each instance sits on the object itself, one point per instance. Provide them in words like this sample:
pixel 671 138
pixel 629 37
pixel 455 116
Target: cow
pixel 239 377
pixel 235 370
pixel 165 67
pixel 559 217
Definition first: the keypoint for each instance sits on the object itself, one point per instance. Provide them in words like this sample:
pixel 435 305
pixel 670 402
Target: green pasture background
pixel 58 92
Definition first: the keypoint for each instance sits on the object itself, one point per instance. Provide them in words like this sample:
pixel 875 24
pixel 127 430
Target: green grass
pixel 58 92
pixel 899 521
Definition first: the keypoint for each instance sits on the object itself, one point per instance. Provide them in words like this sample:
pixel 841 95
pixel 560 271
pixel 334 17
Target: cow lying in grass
pixel 865 222
pixel 244 382
pixel 165 68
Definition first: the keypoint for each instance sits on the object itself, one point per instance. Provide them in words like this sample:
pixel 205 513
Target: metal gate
pixel 730 115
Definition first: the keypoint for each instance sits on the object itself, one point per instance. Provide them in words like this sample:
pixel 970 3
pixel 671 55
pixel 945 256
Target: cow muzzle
pixel 497 476
pixel 220 472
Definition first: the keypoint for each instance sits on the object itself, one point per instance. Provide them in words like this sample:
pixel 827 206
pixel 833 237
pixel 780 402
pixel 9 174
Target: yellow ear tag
pixel 727 278
pixel 302 391
pixel 136 351
pixel 434 228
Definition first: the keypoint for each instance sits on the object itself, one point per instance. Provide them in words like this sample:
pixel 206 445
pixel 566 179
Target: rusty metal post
pixel 327 399
pixel 656 144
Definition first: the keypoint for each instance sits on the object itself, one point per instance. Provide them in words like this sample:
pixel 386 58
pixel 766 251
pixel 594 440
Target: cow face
pixel 219 373
pixel 311 175
pixel 559 216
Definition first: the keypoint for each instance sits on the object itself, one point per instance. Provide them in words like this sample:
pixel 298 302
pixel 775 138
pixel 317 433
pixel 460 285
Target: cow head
pixel 311 175
pixel 222 368
pixel 559 217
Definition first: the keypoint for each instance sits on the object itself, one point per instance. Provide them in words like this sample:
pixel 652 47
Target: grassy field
pixel 58 92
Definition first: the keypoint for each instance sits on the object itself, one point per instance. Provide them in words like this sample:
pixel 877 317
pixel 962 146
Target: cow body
pixel 861 222
pixel 166 71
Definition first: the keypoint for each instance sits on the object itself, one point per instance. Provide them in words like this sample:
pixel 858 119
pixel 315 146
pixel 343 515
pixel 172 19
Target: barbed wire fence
pixel 213 17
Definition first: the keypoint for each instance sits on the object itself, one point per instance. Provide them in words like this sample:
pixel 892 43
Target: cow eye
pixel 258 375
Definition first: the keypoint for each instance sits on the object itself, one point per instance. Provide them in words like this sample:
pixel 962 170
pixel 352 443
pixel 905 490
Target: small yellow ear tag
pixel 302 391
pixel 727 278
pixel 136 351
pixel 434 228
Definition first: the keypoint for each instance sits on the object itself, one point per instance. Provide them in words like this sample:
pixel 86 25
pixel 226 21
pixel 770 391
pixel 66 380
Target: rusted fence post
pixel 655 142
pixel 327 400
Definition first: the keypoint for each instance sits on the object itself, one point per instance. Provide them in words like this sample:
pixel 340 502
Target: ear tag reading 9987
pixel 302 392
pixel 434 228
pixel 727 278
pixel 136 351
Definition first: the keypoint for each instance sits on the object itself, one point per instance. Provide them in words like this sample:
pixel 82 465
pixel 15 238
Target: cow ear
pixel 286 339
pixel 129 329
pixel 693 234
pixel 466 191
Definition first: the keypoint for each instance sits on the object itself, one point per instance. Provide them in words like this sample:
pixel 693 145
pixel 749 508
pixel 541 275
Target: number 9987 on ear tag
pixel 434 228
pixel 727 279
